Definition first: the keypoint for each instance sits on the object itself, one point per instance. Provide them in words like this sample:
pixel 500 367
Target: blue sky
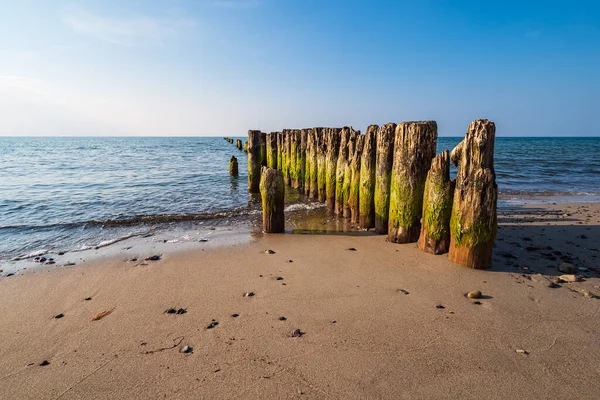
pixel 221 67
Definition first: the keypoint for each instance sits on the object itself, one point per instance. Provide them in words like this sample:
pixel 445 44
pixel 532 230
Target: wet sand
pixel 383 321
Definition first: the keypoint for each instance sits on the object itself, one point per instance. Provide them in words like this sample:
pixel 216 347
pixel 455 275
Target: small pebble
pixel 279 278
pixel 235 315
pixel 440 306
pixel 333 321
pixel 58 316
pixel 351 249
pixel 187 349
pixel 269 251
pixel 282 318
pixel 474 294
pixel 297 333
pixel 402 291
pixel 87 298
pixel 171 311
pixel 153 258
pixel 213 324
pixel 290 261
pixel 182 311
pixel 44 363
pixel 249 294
pixel 520 351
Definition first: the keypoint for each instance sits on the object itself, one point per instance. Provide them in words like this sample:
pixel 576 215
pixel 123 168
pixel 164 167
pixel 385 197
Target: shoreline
pixel 403 326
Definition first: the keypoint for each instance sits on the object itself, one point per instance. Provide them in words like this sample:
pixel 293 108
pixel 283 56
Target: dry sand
pixel 403 326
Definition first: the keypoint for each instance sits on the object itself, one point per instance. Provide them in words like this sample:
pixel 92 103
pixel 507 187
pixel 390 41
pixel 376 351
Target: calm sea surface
pixel 67 193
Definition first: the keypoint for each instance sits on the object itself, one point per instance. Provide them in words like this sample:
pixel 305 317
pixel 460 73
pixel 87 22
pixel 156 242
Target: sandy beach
pixel 381 321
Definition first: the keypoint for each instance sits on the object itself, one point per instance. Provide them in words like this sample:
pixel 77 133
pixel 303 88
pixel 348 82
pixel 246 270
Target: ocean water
pixel 71 193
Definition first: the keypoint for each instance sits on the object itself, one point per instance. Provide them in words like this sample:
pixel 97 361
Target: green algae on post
pixel 355 164
pixel 383 168
pixel 437 206
pixel 473 221
pixel 272 191
pixel 301 159
pixel 331 157
pixel 367 179
pixel 414 148
pixel 341 194
pixel 255 138
pixel 233 166
pixel 271 143
pixel 321 144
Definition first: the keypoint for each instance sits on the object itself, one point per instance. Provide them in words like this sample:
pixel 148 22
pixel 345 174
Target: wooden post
pixel 347 183
pixel 383 172
pixel 254 160
pixel 272 191
pixel 238 144
pixel 333 148
pixel 279 152
pixel 340 193
pixel 233 166
pixel 263 149
pixel 321 144
pixel 294 144
pixel 284 155
pixel 414 148
pixel 308 169
pixel 301 159
pixel 355 164
pixel 437 206
pixel 271 143
pixel 367 179
pixel 473 224
pixel 246 146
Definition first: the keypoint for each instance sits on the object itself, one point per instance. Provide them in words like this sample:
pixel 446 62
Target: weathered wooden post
pixel 340 193
pixel 354 196
pixel 246 146
pixel 294 144
pixel 367 179
pixel 238 144
pixel 284 156
pixel 271 143
pixel 254 160
pixel 473 224
pixel 347 183
pixel 301 159
pixel 414 148
pixel 272 190
pixel 333 148
pixel 279 152
pixel 312 181
pixel 263 149
pixel 383 172
pixel 321 143
pixel 437 206
pixel 308 168
pixel 233 166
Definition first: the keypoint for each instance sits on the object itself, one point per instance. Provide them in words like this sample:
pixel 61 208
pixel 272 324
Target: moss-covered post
pixel 263 149
pixel 279 151
pixel 272 191
pixel 354 196
pixel 246 146
pixel 341 195
pixel 331 157
pixel 301 159
pixel 367 179
pixel 271 141
pixel 414 148
pixel 383 172
pixel 254 160
pixel 233 166
pixel 321 143
pixel 285 158
pixel 473 224
pixel 308 168
pixel 437 206
pixel 238 144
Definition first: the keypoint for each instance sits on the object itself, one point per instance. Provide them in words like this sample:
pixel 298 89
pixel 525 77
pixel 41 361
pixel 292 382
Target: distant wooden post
pixel 233 166
pixel 437 206
pixel 263 149
pixel 271 142
pixel 355 164
pixel 246 146
pixel 340 190
pixel 333 148
pixel 414 148
pixel 367 179
pixel 238 144
pixel 321 145
pixel 383 172
pixel 254 160
pixel 272 190
pixel 473 224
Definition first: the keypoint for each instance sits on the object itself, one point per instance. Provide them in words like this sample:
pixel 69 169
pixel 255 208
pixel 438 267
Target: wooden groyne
pixel 390 179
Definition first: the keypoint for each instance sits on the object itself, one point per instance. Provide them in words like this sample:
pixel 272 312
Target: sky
pixel 222 67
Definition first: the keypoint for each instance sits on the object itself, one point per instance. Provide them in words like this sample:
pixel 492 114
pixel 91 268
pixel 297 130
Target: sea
pixel 68 194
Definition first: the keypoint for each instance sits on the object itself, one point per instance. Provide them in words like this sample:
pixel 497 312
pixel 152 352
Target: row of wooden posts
pixel 389 179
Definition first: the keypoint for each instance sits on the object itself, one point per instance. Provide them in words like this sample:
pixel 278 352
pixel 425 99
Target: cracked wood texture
pixel 367 179
pixel 473 222
pixel 383 170
pixel 272 191
pixel 255 141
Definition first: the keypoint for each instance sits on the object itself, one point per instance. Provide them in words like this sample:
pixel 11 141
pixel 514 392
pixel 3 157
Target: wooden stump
pixel 254 160
pixel 233 166
pixel 437 206
pixel 347 183
pixel 341 194
pixel 383 173
pixel 271 143
pixel 279 151
pixel 414 148
pixel 246 146
pixel 355 165
pixel 331 157
pixel 238 144
pixel 473 224
pixel 272 190
pixel 367 179
pixel 285 157
pixel 294 144
pixel 301 159
pixel 321 144
pixel 263 149
pixel 310 161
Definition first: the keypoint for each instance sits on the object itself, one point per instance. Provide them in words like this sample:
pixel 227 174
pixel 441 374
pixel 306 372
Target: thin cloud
pixel 128 31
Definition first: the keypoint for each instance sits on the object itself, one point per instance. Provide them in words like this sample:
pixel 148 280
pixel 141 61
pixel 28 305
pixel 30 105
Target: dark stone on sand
pixel 61 253
pixel 297 333
pixel 11 274
pixel 249 294
pixel 155 257
pixel 187 349
pixel 58 316
pixel 181 311
pixel 171 311
pixel 402 291
pixel 87 298
pixel 279 278
pixel 478 303
pixel 44 363
pixel 282 318
pixel 439 306
pixel 269 251
pixel 213 324
pixel 333 321
pixel 290 261
pixel 235 315
pixel 351 249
